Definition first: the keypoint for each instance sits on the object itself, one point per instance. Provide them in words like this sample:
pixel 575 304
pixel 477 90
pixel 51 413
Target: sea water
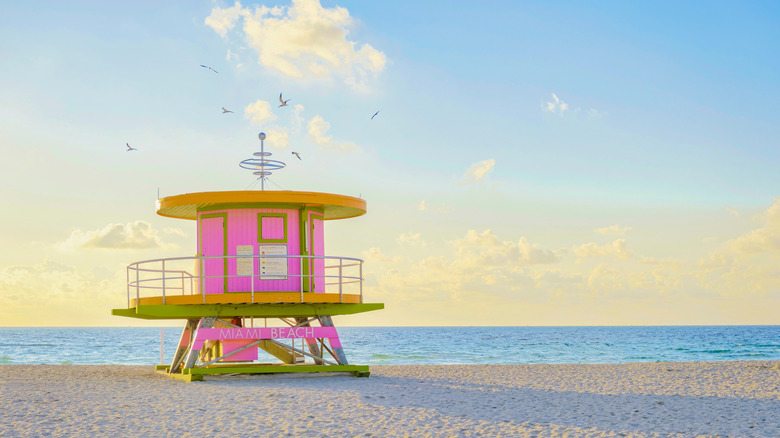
pixel 422 345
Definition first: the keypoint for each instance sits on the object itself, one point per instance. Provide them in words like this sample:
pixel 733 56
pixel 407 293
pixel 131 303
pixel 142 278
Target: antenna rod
pixel 261 136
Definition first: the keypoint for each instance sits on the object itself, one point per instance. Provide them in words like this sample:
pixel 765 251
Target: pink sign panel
pixel 257 333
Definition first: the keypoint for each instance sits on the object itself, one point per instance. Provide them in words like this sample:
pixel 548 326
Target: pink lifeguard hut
pixel 260 282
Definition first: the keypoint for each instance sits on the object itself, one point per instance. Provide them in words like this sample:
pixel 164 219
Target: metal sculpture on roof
pixel 265 165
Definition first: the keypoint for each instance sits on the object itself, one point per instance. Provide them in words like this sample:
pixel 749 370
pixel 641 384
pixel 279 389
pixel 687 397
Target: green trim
pixel 192 311
pixel 259 206
pixel 185 377
pixel 224 242
pixel 302 225
pixel 311 246
pixel 260 217
pixel 356 370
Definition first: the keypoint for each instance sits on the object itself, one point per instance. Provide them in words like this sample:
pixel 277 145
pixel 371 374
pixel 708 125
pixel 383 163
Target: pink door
pixel 318 249
pixel 212 238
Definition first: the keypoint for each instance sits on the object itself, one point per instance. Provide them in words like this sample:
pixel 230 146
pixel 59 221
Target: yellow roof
pixel 187 206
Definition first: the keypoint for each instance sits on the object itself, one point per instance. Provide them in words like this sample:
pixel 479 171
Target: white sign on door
pixel 273 268
pixel 245 265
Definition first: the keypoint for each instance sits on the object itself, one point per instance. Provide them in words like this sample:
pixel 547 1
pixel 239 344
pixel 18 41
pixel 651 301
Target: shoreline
pixel 641 399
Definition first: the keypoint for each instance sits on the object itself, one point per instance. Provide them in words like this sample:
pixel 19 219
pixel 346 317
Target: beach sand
pixel 627 400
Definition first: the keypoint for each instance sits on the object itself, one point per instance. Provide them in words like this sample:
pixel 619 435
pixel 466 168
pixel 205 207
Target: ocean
pixel 422 345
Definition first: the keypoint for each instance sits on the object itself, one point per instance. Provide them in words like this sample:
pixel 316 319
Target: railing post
pixel 302 278
pixel 137 286
pixel 300 275
pixel 252 279
pixel 163 272
pixel 361 281
pixel 200 274
pixel 341 295
pixel 128 286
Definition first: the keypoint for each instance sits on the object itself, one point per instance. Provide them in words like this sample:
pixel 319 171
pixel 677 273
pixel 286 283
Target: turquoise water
pixel 424 345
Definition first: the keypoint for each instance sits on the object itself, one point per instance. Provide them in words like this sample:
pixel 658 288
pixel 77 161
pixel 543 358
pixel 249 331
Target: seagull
pixel 225 110
pixel 372 117
pixel 297 155
pixel 206 66
pixel 130 148
pixel 284 102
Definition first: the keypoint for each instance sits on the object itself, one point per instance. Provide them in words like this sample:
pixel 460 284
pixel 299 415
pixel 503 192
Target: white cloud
pixel 764 239
pixel 133 235
pixel 483 250
pixel 732 212
pixel 410 239
pixel 614 250
pixel 477 172
pixel 556 105
pixel 613 230
pixel 259 112
pixel 55 294
pixel 318 129
pixel 298 119
pixel 223 20
pixel 175 231
pixel 375 256
pixel 278 138
pixel 303 41
pixel 596 113
pixel 422 206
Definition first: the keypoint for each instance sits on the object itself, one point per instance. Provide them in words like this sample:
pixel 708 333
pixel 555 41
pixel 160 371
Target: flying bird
pixel 130 148
pixel 206 66
pixel 372 117
pixel 284 102
pixel 225 110
pixel 297 155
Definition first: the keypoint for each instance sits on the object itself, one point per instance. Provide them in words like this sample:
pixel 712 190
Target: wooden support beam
pixel 311 342
pixel 192 357
pixel 327 321
pixel 184 344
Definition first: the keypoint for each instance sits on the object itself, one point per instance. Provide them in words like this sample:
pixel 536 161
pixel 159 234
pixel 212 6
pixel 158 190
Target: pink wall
pixel 242 229
pixel 212 243
pixel 318 249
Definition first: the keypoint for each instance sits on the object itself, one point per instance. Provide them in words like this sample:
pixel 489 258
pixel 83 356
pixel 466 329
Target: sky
pixel 531 163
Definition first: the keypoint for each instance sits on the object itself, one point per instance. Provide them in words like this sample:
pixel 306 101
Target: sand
pixel 628 400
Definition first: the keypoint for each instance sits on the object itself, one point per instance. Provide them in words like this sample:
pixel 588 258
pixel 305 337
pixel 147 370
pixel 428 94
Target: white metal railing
pixel 170 276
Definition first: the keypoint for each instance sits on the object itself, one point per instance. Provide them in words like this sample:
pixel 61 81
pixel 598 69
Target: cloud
pixel 732 212
pixel 613 230
pixel 318 129
pixel 259 112
pixel 55 294
pixel 175 231
pixel 223 20
pixel 614 250
pixel 133 235
pixel 278 138
pixel 298 119
pixel 422 206
pixel 764 239
pixel 303 41
pixel 556 105
pixel 482 250
pixel 477 172
pixel 596 113
pixel 375 256
pixel 717 261
pixel 410 239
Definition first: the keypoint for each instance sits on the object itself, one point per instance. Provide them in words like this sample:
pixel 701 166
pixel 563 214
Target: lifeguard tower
pixel 261 281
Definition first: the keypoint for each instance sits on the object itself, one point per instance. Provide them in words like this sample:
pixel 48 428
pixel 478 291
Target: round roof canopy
pixel 188 205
